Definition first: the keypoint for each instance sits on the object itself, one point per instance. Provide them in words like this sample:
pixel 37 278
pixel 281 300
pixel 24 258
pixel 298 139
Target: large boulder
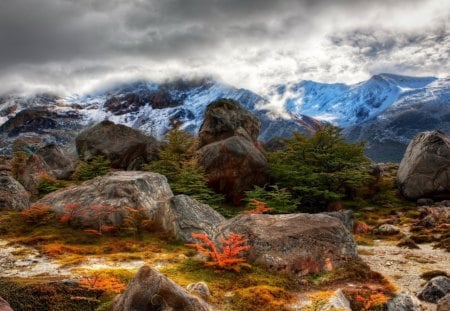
pixel 125 147
pixel 425 168
pixel 225 118
pixel 13 195
pixel 435 289
pixel 151 291
pixel 50 160
pixel 294 243
pixel 233 166
pixel 149 192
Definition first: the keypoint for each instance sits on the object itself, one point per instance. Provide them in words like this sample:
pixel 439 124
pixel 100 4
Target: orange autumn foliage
pixel 259 207
pixel 225 257
pixel 108 284
pixel 371 302
pixel 38 214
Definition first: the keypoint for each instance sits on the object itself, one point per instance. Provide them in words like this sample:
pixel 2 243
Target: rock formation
pixel 425 168
pixel 229 153
pixel 435 289
pixel 150 291
pixel 13 195
pixel 294 243
pixel 179 215
pixel 125 147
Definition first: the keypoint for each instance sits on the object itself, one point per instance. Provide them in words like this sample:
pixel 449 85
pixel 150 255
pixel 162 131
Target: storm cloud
pixel 76 45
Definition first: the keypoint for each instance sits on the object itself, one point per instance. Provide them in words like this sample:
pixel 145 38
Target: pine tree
pixel 320 169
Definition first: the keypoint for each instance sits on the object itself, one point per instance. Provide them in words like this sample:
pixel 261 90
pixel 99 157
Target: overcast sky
pixel 78 45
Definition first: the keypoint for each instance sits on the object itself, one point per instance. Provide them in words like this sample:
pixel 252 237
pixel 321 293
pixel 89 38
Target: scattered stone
pixel 293 243
pixel 435 289
pixel 408 243
pixel 444 303
pixel 424 202
pixel 428 221
pixel 4 305
pixel 149 192
pixel 403 301
pixel 368 209
pixel 200 289
pixel 425 168
pixel 149 290
pixel 386 229
pixel 13 195
pixel 125 147
pixel 361 227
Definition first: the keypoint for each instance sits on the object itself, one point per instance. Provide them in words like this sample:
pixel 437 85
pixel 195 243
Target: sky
pixel 77 46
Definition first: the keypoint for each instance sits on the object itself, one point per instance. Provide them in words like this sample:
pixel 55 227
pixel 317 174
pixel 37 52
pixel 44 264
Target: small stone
pixel 200 289
pixel 387 229
pixel 435 289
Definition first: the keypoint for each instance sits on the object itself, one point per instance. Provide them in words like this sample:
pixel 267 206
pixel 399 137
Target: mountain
pixel 386 111
pixel 143 105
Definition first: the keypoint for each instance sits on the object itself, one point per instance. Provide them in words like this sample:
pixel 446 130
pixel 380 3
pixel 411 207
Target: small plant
pixel 48 184
pixel 99 215
pixel 96 281
pixel 369 301
pixel 98 166
pixel 72 211
pixel 136 221
pixel 259 207
pixel 226 257
pixel 38 214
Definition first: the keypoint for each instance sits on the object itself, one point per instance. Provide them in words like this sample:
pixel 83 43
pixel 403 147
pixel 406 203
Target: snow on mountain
pixel 347 105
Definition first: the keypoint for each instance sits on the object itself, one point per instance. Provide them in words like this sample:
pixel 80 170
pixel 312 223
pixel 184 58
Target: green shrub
pixel 279 200
pixel 98 166
pixel 321 169
pixel 48 184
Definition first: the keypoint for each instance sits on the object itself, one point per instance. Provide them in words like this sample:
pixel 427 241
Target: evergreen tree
pixel 320 169
pixel 98 166
pixel 280 200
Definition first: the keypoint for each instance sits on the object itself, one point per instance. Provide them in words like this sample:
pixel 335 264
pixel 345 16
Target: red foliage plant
pixel 38 214
pixel 226 257
pixel 71 212
pixel 96 281
pixel 259 207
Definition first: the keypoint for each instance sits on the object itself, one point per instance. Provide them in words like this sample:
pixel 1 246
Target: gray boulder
pixel 149 290
pixel 297 244
pixel 425 168
pixel 403 301
pixel 13 195
pixel 435 289
pixel 346 217
pixel 150 192
pixel 125 147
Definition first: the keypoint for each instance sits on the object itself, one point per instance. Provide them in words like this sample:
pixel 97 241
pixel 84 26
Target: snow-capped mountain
pixel 386 111
pixel 142 105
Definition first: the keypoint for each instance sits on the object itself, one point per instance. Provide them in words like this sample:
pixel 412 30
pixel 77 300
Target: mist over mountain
pixel 386 111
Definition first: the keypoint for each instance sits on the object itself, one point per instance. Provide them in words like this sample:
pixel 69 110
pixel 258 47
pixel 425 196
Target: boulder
pixel 233 166
pixel 386 229
pixel 403 301
pixel 435 289
pixel 293 243
pixel 125 147
pixel 200 289
pixel 425 168
pixel 149 290
pixel 13 195
pixel 150 192
pixel 188 216
pixel 225 118
pixel 4 305
pixel 444 303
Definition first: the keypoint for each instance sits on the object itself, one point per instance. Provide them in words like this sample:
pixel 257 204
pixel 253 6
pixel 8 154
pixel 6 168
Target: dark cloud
pixel 71 43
